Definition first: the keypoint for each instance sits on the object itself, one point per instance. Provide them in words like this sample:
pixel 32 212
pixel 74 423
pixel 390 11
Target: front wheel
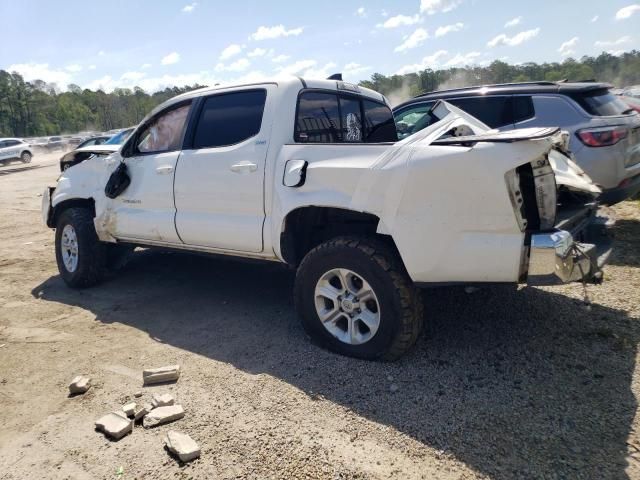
pixel 25 157
pixel 80 255
pixel 355 298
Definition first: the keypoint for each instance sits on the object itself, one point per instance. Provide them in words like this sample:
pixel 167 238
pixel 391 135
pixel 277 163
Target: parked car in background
pixel 55 143
pixel 604 130
pixel 120 137
pixel 81 154
pixel 15 149
pixel 633 102
pixel 98 140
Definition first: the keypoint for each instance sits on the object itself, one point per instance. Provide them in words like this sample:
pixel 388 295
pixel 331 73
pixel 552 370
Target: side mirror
pixel 295 173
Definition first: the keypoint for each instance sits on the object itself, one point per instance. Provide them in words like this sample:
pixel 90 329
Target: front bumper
pixel 557 257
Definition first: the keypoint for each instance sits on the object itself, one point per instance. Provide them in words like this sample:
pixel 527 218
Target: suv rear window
pixel 326 117
pixel 494 111
pixel 601 103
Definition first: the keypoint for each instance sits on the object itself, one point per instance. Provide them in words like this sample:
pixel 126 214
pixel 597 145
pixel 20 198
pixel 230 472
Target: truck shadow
pixel 627 243
pixel 515 384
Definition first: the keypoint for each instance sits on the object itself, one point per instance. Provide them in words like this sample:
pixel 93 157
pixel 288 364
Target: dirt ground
pixel 527 383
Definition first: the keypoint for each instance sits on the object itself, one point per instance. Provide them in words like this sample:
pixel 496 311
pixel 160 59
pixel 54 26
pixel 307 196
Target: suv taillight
pixel 602 136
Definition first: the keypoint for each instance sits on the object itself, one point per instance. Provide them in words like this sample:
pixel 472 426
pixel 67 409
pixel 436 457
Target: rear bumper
pixel 627 189
pixel 556 257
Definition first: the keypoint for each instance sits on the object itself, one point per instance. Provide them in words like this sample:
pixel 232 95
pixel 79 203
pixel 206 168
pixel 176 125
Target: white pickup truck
pixel 310 173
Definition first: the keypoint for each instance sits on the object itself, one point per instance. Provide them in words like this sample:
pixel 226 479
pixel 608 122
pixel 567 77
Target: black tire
pixel 401 310
pixel 25 157
pixel 91 263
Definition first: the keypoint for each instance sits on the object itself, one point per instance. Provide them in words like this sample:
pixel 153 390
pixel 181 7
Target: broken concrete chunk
pixel 129 409
pixel 138 394
pixel 161 375
pixel 141 410
pixel 163 400
pixel 182 445
pixel 161 415
pixel 79 384
pixel 114 425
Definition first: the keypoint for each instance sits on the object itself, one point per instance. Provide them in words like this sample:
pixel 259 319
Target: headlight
pixel 546 192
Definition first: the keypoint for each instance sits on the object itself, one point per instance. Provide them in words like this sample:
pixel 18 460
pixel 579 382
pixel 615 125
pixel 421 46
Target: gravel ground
pixel 509 383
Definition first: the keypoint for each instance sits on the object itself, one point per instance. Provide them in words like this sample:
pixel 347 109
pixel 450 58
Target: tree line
pixel 39 109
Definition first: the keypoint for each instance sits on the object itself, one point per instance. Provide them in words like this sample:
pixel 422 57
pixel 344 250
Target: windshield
pixel 119 138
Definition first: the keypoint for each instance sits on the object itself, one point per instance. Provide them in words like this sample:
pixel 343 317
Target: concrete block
pixel 129 409
pixel 79 384
pixel 182 445
pixel 162 400
pixel 161 415
pixel 114 425
pixel 161 375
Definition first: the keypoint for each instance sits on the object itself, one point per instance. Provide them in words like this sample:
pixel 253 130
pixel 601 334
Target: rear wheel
pixel 81 257
pixel 25 157
pixel 355 298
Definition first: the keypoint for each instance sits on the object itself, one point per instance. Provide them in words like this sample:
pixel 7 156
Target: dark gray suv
pixel 605 132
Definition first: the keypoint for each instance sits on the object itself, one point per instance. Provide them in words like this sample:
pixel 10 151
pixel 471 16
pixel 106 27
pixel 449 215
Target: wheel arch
pixel 306 227
pixel 56 211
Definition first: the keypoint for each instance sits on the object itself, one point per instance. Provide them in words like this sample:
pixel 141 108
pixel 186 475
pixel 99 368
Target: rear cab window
pixel 601 103
pixel 333 117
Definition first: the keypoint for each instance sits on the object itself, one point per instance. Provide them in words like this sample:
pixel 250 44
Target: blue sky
pixel 163 43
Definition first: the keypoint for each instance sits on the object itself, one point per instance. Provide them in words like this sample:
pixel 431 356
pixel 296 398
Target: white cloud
pixel 613 43
pixel 91 67
pixel 516 40
pixel 132 76
pixel 414 40
pixel 268 33
pixel 173 57
pixel 239 65
pixel 430 61
pixel 513 22
pixel 615 53
pixel 461 60
pixel 280 58
pixel 627 11
pixel 41 71
pixel 320 72
pixel 145 65
pixel 105 83
pixel 401 20
pixel 361 12
pixel 101 53
pixel 259 52
pixel 297 67
pixel 384 13
pixel 595 19
pixel 567 48
pixel 74 68
pixel 231 51
pixel 435 6
pixel 352 69
pixel 442 31
pixel 190 7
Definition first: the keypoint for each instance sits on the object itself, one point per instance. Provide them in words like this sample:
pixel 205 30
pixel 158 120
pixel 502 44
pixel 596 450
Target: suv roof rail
pixel 512 84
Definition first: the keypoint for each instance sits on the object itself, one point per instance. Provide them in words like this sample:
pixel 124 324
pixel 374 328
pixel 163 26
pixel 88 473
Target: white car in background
pixel 15 149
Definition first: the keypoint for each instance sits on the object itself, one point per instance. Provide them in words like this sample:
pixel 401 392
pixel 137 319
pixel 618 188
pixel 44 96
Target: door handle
pixel 164 169
pixel 244 167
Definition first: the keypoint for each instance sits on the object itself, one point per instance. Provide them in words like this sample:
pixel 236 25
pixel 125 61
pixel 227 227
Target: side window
pixel 494 111
pixel 379 125
pixel 318 118
pixel 413 119
pixel 351 119
pixel 230 118
pixel 165 132
pixel 3 144
pixel 522 109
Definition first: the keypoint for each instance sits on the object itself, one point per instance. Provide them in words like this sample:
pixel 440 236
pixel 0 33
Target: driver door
pixel 146 209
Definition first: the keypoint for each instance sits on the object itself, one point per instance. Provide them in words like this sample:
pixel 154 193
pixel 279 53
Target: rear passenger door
pixel 219 181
